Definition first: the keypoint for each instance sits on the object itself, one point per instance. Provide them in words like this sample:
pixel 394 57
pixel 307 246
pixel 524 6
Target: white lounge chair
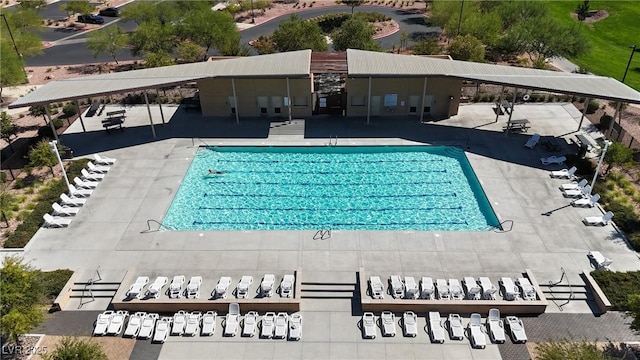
pixel 222 287
pixel 436 330
pixel 85 184
pixel 455 289
pixel 553 160
pixel 267 325
pixel 208 323
pixel 266 286
pixel 600 262
pixel 148 325
pixel 598 220
pixel 249 324
pixel 376 287
pixel 286 285
pixel 474 291
pixel 232 320
pixel 87 176
pixel 410 324
pixel 533 141
pixel 574 185
pixel 163 327
pixel 93 168
pixel 509 290
pixel 102 323
pixel 410 288
pixel 396 287
pixel 134 324
pixel 443 289
pixel 456 329
pixel 295 327
pixel 495 326
pixel 179 323
pixel 488 290
pixel 103 160
pixel 516 328
pixel 155 289
pixel 577 193
pixel 135 290
pixel 193 323
pixel 368 325
pixel 475 332
pixel 50 221
pixel 427 290
pixel 59 210
pixel 75 192
pixel 587 201
pixel 528 292
pixel 388 321
pixel 69 201
pixel 242 290
pixel 175 289
pixel 281 326
pixel 193 287
pixel 117 322
pixel 564 173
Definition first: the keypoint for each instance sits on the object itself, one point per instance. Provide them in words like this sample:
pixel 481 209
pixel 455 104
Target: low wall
pixel 65 294
pixel 601 299
pixel 516 307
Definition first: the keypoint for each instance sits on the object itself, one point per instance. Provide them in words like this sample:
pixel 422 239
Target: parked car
pixel 90 19
pixel 109 12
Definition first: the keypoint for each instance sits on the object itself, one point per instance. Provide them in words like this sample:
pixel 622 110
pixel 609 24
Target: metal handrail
pixel 501 229
pixel 322 234
pixel 193 141
pixel 149 221
pixel 90 285
pixel 571 295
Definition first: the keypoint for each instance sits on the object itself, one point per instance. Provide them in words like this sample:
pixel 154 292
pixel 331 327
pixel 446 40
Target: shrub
pixel 569 350
pixel 52 282
pixel 593 106
pixel 69 110
pixel 617 286
pixel 77 349
pixel 605 121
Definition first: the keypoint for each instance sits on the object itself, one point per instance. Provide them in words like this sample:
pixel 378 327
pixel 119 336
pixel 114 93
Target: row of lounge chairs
pixel 582 192
pixel 192 291
pixel 494 326
pixel 70 205
pixel 476 289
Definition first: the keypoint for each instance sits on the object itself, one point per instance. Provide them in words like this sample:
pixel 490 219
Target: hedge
pixel 617 286
pixel 52 282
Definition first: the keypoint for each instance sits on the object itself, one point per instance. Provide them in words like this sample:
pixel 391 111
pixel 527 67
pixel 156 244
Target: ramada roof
pixel 360 63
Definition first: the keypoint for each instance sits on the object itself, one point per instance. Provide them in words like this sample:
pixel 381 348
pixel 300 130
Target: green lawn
pixel 609 38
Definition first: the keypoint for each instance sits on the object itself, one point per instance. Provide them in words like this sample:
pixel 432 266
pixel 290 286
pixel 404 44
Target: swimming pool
pixel 342 188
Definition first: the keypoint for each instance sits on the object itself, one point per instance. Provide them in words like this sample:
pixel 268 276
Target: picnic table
pixel 114 119
pixel 585 140
pixel 518 125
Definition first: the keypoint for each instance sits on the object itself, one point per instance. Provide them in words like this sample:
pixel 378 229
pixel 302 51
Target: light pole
pixel 16 47
pixel 604 151
pixel 54 148
pixel 633 50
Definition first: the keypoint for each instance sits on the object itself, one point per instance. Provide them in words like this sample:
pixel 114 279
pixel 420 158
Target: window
pixel 263 110
pixel 390 100
pixel 357 101
pixel 300 101
pixel 413 109
pixel 427 109
pixel 276 110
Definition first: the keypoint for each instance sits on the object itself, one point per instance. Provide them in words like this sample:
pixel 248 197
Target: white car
pixel 134 324
pixel 295 327
pixel 163 327
pixel 281 325
pixel 268 323
pixel 209 323
pixel 179 323
pixel 368 325
pixel 388 321
pixel 250 323
pixel 410 324
pixel 117 322
pixel 102 323
pixel 148 325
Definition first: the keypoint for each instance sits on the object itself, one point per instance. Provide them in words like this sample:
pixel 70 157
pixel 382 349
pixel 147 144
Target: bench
pixel 518 125
pixel 586 140
pixel 506 106
pixel 113 123
pixel 92 110
pixel 551 143
pixel 117 113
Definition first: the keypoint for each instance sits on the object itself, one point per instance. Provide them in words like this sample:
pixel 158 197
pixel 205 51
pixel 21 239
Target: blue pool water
pixel 348 188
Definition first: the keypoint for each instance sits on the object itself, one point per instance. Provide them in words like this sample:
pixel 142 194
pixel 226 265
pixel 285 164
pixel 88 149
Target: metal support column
pixel 235 100
pixel 146 101
pixel 55 133
pixel 584 112
pixel 513 101
pixel 615 115
pixel 79 115
pixel 369 102
pixel 499 107
pixel 289 100
pixel 424 94
pixel 160 105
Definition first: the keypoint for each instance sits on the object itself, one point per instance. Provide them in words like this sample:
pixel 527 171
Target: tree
pixel 467 48
pixel 7 203
pixel 71 348
pixel 42 155
pixel 11 66
pixel 582 11
pixel 264 45
pixel 76 7
pixel 617 154
pixel 108 40
pixel 7 128
pixel 152 37
pixel 33 4
pixel 295 34
pixel 39 110
pixel 352 3
pixel 404 39
pixel 189 52
pixel 20 294
pixel 210 29
pixel 426 47
pixel 634 306
pixel 569 350
pixel 355 33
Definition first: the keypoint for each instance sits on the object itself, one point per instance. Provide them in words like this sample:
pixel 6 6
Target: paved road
pixel 72 48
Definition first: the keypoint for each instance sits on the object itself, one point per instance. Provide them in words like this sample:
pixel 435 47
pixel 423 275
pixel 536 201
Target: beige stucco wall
pixel 440 88
pixel 215 94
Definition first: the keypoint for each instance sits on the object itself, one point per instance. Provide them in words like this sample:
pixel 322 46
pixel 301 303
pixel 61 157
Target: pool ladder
pixel 331 143
pixel 160 227
pixel 322 234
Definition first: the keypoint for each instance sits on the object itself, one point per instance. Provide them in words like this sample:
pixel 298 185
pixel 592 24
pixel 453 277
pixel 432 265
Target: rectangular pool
pixel 342 188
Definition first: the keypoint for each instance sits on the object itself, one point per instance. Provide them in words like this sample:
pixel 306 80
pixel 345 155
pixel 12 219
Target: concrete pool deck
pixel 111 230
